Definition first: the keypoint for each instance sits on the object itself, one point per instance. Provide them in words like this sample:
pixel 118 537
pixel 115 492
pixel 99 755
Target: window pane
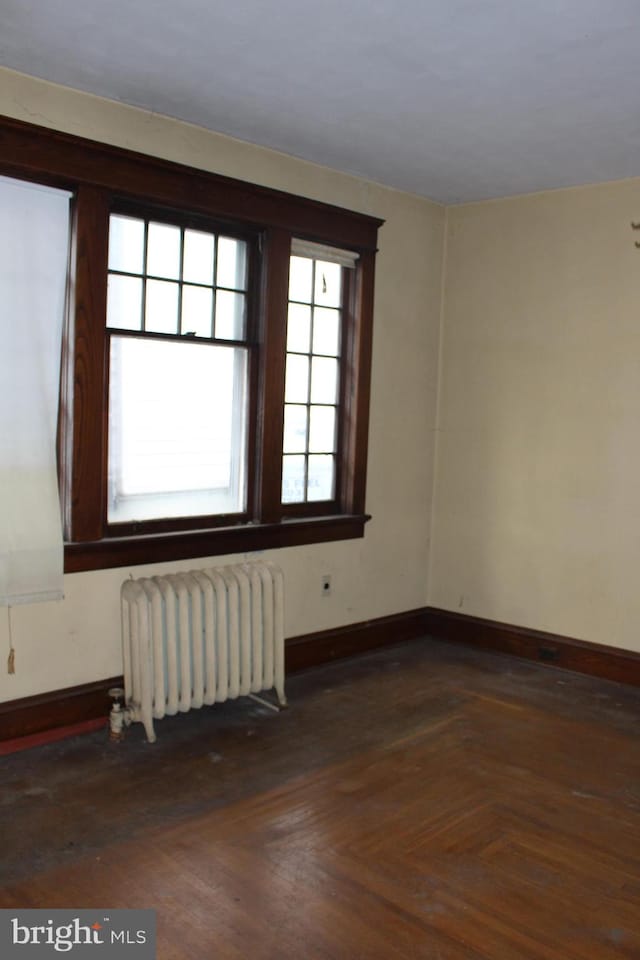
pixel 320 483
pixel 126 244
pixel 324 380
pixel 163 251
pixel 197 306
pixel 230 319
pixel 293 479
pixel 322 430
pixel 177 427
pixel 161 314
pixel 326 331
pixel 232 263
pixel 297 380
pixel 198 257
pixel 124 302
pixel 295 429
pixel 299 328
pixel 328 284
pixel 300 273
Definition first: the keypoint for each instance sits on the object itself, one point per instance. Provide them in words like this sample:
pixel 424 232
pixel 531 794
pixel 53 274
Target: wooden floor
pixel 425 801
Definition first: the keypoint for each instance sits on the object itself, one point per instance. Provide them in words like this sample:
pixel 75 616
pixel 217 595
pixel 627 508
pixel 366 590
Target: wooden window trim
pixel 60 159
pixel 130 551
pixel 98 175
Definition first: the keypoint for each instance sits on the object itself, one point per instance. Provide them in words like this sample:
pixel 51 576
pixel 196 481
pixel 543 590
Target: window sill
pixel 159 548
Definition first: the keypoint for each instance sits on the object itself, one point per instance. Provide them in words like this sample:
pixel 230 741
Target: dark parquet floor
pixel 424 801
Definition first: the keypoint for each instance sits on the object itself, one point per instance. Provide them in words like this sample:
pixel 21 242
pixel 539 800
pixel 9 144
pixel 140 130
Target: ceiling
pixel 453 99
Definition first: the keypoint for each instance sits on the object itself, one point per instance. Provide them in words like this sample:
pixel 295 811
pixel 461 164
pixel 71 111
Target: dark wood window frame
pixel 99 177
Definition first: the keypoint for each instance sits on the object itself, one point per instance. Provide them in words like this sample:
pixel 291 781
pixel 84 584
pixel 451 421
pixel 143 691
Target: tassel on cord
pixel 11 661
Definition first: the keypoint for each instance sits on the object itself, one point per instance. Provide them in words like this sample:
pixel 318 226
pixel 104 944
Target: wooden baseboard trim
pixel 593 659
pixel 59 708
pixel 66 708
pixel 90 701
pixel 312 649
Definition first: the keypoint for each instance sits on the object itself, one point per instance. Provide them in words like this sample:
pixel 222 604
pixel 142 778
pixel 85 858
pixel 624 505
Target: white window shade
pixel 320 251
pixel 34 241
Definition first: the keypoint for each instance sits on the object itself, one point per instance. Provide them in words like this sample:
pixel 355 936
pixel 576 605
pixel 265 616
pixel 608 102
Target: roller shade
pixel 34 244
pixel 319 251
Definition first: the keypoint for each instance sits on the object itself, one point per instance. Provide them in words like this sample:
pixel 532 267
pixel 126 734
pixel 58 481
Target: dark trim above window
pixel 104 179
pixel 37 153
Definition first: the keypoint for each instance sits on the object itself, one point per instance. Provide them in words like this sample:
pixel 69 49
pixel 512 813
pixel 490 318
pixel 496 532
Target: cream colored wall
pixel 537 503
pixel 78 640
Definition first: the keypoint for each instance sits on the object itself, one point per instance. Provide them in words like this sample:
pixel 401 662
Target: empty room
pixel 320 539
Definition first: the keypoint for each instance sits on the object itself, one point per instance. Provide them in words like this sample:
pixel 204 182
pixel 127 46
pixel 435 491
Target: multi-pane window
pixel 180 375
pixel 178 371
pixel 312 386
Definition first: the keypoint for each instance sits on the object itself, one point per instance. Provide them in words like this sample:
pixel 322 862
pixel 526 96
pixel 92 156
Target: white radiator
pixel 201 637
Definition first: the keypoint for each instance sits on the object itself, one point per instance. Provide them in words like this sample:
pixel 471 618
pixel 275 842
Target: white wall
pixel 78 640
pixel 537 505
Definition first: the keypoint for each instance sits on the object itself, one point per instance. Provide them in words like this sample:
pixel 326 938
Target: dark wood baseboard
pixel 312 649
pixel 594 659
pixel 59 708
pixel 89 701
pixel 65 708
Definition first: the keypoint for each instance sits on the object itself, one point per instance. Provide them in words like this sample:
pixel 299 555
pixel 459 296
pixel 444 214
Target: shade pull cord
pixel 11 661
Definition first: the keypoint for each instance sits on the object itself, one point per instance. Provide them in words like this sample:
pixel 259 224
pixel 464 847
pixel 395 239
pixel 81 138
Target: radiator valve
pixel 117 717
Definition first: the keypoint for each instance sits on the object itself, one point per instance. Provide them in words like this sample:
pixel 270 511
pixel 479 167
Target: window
pixel 318 284
pixel 214 396
pixel 178 371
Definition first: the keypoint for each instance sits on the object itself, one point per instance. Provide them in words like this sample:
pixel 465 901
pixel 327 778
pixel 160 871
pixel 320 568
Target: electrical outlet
pixel 326 585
